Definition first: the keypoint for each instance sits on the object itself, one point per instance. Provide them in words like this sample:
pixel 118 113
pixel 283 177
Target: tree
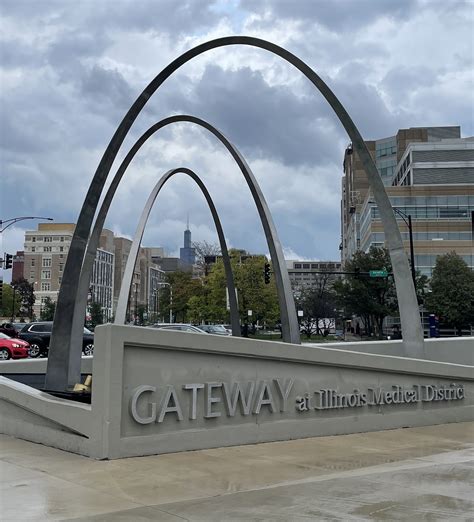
pixel 97 316
pixel 202 250
pixel 253 293
pixel 183 287
pixel 318 304
pixel 25 291
pixel 197 311
pixel 248 271
pixel 7 307
pixel 48 309
pixel 372 299
pixel 452 291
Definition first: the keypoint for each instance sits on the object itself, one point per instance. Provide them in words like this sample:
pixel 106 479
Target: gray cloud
pixel 106 89
pixel 146 15
pixel 336 15
pixel 67 82
pixel 263 120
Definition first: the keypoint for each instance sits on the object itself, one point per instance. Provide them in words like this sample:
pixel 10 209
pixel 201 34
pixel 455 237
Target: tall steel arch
pixel 121 310
pixel 290 329
pixel 59 362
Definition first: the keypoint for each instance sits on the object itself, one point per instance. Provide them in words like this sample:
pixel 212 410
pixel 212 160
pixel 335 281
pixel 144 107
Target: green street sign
pixel 378 273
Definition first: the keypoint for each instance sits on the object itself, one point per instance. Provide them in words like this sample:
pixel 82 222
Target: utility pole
pixel 407 219
pixel 136 304
pixel 13 302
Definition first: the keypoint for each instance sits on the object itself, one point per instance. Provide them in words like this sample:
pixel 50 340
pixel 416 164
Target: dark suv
pixel 38 336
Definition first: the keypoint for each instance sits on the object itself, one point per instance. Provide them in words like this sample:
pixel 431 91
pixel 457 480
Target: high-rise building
pixel 45 255
pixel 18 265
pixel 306 274
pixel 44 258
pixel 429 175
pixel 187 254
pixel 146 280
pixel 101 287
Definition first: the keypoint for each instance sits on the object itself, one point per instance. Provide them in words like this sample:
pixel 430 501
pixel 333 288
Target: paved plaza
pixel 405 474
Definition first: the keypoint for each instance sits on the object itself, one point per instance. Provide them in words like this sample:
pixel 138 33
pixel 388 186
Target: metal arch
pixel 59 355
pixel 121 310
pixel 290 330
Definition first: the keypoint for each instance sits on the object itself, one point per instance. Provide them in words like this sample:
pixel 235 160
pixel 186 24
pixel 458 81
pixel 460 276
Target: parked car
pixel 216 329
pixel 11 348
pixel 38 335
pixel 180 326
pixel 8 329
pixel 18 327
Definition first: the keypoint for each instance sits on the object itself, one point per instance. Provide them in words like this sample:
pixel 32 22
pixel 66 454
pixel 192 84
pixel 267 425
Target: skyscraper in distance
pixel 187 254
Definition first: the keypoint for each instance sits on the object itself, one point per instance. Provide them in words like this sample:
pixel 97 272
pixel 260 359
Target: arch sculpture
pixel 121 310
pixel 290 330
pixel 61 366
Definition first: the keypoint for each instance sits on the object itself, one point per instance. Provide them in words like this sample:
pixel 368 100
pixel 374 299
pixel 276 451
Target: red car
pixel 12 348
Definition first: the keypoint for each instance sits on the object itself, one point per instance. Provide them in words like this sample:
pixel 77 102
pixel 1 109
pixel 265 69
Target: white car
pixel 216 329
pixel 182 327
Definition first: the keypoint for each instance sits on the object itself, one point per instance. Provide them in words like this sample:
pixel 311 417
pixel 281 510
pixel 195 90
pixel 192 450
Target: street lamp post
pixel 13 302
pixel 407 219
pixel 136 304
pixel 36 289
pixel 171 299
pixel 171 304
pixel 12 221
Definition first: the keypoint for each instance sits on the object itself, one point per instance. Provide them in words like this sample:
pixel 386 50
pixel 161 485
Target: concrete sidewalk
pixel 405 474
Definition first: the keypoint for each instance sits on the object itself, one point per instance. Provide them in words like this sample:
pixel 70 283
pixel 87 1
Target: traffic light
pixel 267 273
pixel 1 293
pixel 8 261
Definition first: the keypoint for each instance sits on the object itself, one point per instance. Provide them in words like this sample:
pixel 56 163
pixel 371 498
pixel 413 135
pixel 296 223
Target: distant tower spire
pixel 187 254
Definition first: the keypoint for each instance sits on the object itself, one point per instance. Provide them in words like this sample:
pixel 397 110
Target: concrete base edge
pixel 139 372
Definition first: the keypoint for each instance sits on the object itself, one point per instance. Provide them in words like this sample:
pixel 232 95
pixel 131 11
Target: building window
pixel 48 239
pixel 33 249
pixel 33 239
pixel 61 267
pixel 33 262
pixel 47 249
pixel 46 261
pixel 305 265
pixel 297 265
pixel 61 249
pixel 61 238
pixel 45 287
pixel 46 274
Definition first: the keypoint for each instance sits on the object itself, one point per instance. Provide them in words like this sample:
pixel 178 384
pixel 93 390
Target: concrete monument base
pixel 157 391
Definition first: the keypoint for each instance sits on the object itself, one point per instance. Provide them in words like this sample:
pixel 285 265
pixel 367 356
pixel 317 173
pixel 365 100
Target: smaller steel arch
pixel 121 310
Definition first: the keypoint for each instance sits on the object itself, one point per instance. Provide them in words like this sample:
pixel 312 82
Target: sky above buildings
pixel 70 71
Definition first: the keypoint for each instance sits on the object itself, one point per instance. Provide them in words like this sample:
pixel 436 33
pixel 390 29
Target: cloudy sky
pixel 71 69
